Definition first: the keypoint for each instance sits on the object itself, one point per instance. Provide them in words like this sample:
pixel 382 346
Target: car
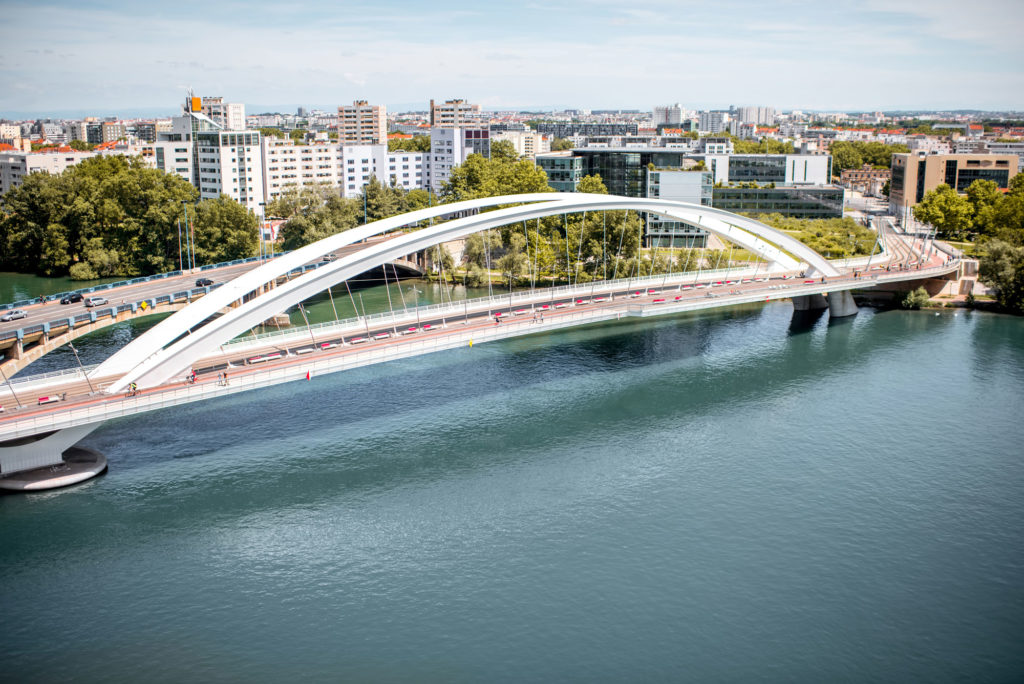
pixel 14 314
pixel 95 301
pixel 330 256
pixel 72 298
pixel 203 282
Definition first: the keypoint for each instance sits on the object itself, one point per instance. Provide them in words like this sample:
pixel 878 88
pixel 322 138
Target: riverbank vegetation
pixel 994 220
pixel 114 216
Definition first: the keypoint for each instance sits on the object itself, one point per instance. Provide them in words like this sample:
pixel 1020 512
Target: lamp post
pixel 263 221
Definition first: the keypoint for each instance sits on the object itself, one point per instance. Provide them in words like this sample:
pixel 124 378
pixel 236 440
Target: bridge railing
pixel 458 307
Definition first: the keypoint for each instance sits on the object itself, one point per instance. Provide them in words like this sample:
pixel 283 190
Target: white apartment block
pixel 713 122
pixel 230 163
pixel 360 163
pixel 454 113
pixel 287 165
pixel 170 156
pixel 528 144
pixel 672 115
pixel 764 116
pixel 449 147
pixel 14 166
pixel 791 169
pixel 362 124
pixel 407 170
pixel 9 132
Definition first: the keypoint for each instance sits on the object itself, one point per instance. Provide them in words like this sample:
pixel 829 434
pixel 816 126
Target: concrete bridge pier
pixel 810 302
pixel 841 304
pixel 49 460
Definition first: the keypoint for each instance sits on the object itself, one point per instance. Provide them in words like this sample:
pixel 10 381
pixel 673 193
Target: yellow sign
pixel 143 305
pixel 197 104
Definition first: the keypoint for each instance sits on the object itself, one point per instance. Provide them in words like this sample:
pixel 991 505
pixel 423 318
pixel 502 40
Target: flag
pixel 307 375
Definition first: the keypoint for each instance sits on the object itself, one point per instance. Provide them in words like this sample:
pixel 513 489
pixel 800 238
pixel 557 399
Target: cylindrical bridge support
pixel 841 304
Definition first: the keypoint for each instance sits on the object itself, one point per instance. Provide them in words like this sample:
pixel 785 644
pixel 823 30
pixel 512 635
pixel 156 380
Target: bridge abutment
pixel 49 460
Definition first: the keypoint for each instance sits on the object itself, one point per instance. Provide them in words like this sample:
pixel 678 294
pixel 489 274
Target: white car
pixel 14 314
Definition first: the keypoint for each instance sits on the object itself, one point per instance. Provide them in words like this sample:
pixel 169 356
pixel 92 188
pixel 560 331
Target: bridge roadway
pixel 374 340
pixel 52 310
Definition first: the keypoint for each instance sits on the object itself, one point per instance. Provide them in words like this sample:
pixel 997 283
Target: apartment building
pixel 362 124
pixel 229 115
pixel 14 166
pixel 230 163
pixel 528 144
pixel 670 115
pixel 454 114
pixel 449 147
pixel 287 165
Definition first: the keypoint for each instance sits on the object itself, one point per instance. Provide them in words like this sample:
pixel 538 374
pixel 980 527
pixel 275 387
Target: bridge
pixel 47 415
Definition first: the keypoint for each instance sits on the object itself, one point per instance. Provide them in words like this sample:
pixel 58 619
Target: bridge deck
pixel 301 352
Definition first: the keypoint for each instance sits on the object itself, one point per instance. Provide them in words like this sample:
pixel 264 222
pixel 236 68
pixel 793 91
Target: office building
pixel 362 124
pixel 680 185
pixel 564 169
pixel 811 202
pixel 915 174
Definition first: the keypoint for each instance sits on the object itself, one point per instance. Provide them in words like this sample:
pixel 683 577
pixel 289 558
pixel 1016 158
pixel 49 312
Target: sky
pixel 127 57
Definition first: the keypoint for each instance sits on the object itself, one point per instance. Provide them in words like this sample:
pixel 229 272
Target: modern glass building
pixel 796 201
pixel 564 170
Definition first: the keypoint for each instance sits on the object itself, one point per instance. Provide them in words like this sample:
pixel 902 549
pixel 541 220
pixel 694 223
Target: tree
pixel 381 201
pixel 504 150
pixel 915 299
pixel 481 177
pixel 81 145
pixel 593 185
pixel 224 231
pixel 272 133
pixel 298 135
pixel 984 196
pixel 947 211
pixel 1003 269
pixel 559 144
pixel 418 143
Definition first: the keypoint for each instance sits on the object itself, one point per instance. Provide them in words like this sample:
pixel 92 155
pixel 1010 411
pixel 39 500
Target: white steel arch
pixel 155 360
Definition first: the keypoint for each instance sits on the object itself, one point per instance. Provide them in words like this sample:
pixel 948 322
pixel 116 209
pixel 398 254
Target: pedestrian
pixel 225 378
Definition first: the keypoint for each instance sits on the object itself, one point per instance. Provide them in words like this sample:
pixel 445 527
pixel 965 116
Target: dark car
pixel 71 298
pixel 203 282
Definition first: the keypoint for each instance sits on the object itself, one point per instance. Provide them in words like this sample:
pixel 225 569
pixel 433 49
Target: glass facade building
pixel 564 172
pixel 796 201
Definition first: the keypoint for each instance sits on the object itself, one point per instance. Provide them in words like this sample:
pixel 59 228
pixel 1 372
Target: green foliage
pixel 854 154
pixel 418 143
pixel 593 185
pixel 836 238
pixel 113 216
pixel 764 146
pixel 915 299
pixel 298 135
pixel 272 133
pixel 313 213
pixel 82 146
pixel 946 210
pixel 503 150
pixel 1003 269
pixel 559 144
pixel 481 177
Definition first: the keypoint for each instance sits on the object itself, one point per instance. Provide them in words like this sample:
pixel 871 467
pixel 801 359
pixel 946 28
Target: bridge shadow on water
pixel 409 423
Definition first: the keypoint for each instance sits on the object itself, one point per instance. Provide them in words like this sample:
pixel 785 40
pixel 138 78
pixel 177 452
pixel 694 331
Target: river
pixel 720 497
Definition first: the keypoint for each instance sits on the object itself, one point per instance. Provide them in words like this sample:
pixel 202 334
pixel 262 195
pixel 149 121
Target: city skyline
pixel 870 55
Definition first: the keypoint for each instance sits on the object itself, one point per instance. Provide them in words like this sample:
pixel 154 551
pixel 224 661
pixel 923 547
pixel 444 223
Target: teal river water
pixel 726 497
